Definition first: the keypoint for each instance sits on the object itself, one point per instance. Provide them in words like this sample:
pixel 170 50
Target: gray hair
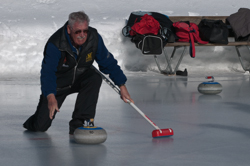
pixel 80 16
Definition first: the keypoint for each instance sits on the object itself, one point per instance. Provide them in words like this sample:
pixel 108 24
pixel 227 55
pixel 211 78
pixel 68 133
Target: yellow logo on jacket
pixel 89 57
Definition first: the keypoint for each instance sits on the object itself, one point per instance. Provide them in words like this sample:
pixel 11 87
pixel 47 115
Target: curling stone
pixel 210 87
pixel 90 134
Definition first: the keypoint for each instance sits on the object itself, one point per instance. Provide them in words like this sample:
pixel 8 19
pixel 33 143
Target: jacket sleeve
pixel 108 64
pixel 49 67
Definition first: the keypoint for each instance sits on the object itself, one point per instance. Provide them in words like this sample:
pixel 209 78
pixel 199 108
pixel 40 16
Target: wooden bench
pixel 171 69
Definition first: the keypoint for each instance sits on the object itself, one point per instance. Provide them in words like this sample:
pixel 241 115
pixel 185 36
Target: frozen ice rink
pixel 209 130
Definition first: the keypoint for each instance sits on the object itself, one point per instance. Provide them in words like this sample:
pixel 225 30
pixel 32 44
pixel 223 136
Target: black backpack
pixel 166 31
pixel 151 44
pixel 214 31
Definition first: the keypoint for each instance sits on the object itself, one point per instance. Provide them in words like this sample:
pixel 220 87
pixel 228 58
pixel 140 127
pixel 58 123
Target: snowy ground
pixel 26 25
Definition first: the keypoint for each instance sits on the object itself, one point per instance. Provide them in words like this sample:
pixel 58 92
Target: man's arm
pixel 49 68
pixel 48 76
pixel 108 65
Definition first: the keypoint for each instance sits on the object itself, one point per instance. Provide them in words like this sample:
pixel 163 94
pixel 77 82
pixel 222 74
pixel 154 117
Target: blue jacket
pixel 53 56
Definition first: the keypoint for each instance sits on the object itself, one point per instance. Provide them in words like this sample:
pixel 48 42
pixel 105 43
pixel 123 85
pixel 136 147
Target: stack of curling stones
pixel 210 87
pixel 90 134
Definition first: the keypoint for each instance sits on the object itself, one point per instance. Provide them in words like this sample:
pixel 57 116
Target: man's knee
pixel 33 124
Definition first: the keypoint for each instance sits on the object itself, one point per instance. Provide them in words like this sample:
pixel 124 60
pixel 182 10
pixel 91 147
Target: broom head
pixel 162 133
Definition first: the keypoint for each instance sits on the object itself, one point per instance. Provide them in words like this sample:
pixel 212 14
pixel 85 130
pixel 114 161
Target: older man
pixel 67 68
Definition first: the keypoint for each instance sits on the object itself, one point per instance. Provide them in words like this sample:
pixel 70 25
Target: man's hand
pixel 124 94
pixel 52 105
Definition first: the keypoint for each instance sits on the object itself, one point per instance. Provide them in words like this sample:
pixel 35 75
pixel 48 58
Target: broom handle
pixel 143 115
pixel 132 104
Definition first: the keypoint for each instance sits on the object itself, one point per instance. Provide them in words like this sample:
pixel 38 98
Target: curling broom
pixel 155 133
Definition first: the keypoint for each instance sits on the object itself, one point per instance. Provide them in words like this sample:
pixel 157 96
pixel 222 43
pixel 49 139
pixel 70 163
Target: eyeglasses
pixel 80 31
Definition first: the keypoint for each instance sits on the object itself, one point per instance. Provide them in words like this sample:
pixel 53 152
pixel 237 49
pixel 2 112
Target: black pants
pixel 87 87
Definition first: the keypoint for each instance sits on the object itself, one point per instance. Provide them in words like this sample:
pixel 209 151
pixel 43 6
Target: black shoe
pixel 73 126
pixel 182 73
pixel 71 130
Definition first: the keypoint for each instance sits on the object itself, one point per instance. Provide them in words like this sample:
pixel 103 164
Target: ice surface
pixel 208 130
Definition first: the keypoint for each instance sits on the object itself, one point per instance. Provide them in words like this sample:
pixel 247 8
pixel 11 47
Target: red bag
pixel 188 33
pixel 147 25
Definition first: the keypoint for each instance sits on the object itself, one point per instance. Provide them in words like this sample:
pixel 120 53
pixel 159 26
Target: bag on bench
pixel 148 44
pixel 149 40
pixel 188 32
pixel 214 31
pixel 145 35
pixel 147 25
pixel 166 25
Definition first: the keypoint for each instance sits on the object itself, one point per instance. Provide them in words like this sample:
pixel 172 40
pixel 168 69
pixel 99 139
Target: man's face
pixel 78 33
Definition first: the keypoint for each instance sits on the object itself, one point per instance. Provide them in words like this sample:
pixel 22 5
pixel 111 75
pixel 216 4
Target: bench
pixel 171 68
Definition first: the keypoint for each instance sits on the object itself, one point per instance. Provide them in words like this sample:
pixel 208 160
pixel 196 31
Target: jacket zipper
pixel 74 76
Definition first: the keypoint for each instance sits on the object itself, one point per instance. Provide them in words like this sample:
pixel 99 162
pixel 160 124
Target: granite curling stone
pixel 90 135
pixel 210 87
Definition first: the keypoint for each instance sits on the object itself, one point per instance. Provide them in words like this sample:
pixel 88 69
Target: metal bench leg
pixel 172 55
pixel 179 62
pixel 169 69
pixel 169 60
pixel 239 55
